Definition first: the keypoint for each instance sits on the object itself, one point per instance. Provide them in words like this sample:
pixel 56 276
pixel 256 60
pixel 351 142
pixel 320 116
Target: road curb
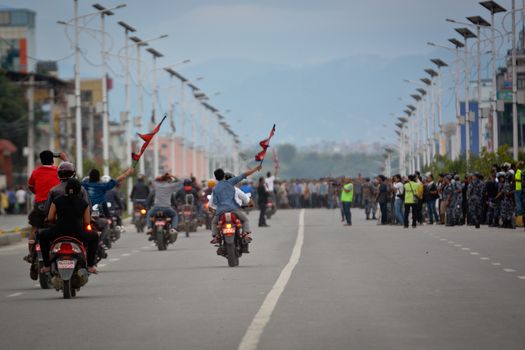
pixel 10 238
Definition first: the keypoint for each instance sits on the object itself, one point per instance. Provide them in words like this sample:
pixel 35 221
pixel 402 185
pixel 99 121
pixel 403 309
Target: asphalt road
pixel 359 287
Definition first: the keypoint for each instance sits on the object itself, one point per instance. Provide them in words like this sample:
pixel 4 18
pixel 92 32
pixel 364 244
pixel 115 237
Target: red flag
pixel 264 144
pixel 147 139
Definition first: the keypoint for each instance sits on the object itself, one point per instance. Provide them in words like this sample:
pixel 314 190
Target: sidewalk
pixel 11 222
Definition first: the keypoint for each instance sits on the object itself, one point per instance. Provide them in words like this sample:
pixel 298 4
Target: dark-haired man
pixel 41 181
pixel 224 199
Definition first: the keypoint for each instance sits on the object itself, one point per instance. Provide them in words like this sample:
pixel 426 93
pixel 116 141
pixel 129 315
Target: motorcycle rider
pixel 224 200
pixel 66 170
pixel 114 197
pixel 140 191
pixel 97 189
pixel 72 216
pixel 187 189
pixel 41 181
pixel 163 188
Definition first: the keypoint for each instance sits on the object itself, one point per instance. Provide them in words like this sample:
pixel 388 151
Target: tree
pixel 13 117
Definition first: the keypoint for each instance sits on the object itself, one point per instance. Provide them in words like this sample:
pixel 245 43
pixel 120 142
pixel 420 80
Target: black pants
pixel 409 207
pixel 88 239
pixel 384 213
pixel 262 214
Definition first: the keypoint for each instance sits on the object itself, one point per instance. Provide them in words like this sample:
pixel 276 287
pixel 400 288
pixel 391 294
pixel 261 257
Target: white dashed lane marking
pixel 15 294
pixel 474 253
pixel 465 249
pixel 509 270
pixel 521 277
pixel 114 259
pixel 101 265
pixel 484 258
pixel 125 254
pixel 496 263
pixel 457 245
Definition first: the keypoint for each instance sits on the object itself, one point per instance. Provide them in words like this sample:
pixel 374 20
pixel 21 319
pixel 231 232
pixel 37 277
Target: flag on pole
pixel 275 157
pixel 264 144
pixel 147 139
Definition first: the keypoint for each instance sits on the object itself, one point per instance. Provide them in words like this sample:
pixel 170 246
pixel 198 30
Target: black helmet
pixel 187 182
pixel 66 170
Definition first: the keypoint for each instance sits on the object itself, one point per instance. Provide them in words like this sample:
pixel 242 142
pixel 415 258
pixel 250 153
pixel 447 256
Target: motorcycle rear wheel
pixel 66 290
pixel 43 279
pixel 161 244
pixel 231 254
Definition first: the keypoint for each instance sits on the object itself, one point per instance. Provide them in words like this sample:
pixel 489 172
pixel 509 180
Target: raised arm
pixel 252 170
pixel 125 174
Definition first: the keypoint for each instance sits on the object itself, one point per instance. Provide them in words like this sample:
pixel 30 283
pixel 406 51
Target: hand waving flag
pixel 147 139
pixel 264 144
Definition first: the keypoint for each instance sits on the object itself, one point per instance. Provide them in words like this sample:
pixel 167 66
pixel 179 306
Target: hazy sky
pixel 284 34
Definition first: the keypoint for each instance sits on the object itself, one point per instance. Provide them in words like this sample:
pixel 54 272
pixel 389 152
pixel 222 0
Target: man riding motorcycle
pixel 41 181
pixel 113 197
pixel 187 189
pixel 224 201
pixel 72 216
pixel 163 187
pixel 140 191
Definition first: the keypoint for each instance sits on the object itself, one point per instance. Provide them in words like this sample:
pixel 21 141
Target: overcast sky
pixel 283 33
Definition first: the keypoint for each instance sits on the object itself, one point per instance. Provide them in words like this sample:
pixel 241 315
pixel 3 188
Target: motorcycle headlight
pixel 143 211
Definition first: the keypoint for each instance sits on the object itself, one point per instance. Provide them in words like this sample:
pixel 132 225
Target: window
pixel 521 82
pixel 4 18
pixel 19 18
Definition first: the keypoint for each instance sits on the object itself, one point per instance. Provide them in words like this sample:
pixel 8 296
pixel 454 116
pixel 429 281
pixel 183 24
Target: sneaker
pixel 215 240
pixel 28 258
pixel 248 237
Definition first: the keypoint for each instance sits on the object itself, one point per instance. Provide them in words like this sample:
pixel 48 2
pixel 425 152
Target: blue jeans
pixel 432 213
pixel 398 210
pixel 347 212
pixel 169 212
pixel 519 202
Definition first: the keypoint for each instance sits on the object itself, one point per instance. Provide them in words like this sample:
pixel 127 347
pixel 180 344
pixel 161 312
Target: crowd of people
pixel 13 201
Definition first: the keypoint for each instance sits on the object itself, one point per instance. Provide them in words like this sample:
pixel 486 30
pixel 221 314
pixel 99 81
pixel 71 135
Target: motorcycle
pixel 37 263
pixel 139 216
pixel 270 209
pixel 163 233
pixel 68 266
pixel 114 229
pixel 100 225
pixel 188 222
pixel 231 243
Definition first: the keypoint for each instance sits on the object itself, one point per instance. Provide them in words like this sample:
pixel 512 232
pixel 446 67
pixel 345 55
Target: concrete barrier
pixel 10 238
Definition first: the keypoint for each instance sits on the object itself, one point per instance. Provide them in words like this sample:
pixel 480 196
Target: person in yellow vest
pixel 411 198
pixel 347 195
pixel 518 199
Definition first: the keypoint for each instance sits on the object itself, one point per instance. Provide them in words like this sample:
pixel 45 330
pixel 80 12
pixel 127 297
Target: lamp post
pixel 419 149
pixel 494 8
pixel 140 96
pixel 466 34
pixel 127 30
pixel 155 54
pixel 479 22
pixel 432 93
pixel 514 87
pixel 440 63
pixel 425 103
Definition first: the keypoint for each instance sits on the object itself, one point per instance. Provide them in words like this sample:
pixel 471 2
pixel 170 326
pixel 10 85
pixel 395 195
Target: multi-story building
pixel 17 39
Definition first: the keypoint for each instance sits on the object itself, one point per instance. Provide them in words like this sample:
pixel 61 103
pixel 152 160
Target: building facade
pixel 17 40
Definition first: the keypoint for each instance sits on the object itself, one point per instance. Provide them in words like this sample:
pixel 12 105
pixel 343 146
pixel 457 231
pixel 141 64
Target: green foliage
pixel 13 117
pixel 482 163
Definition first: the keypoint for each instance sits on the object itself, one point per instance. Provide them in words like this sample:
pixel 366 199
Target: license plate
pixel 228 230
pixel 187 213
pixel 66 264
pixel 160 223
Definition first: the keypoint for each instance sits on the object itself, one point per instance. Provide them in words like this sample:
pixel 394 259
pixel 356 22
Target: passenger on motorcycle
pixel 163 188
pixel 97 189
pixel 71 214
pixel 41 181
pixel 224 201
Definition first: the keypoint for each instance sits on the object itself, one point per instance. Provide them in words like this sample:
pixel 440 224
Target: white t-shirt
pixel 399 188
pixel 20 196
pixel 241 198
pixel 269 183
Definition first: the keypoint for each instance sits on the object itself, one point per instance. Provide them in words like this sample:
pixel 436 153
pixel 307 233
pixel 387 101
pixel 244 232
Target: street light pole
pixel 105 122
pixel 514 87
pixel 128 120
pixel 155 54
pixel 78 111
pixel 494 8
pixel 466 33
